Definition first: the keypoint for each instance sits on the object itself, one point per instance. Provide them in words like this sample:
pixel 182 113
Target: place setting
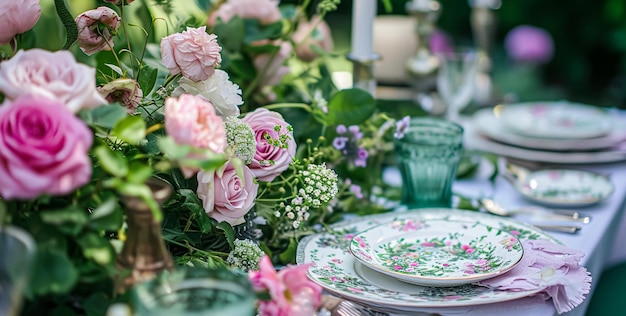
pixel 549 132
pixel 425 256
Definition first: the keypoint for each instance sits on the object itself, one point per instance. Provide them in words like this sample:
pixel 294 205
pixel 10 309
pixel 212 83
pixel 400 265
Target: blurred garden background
pixel 589 61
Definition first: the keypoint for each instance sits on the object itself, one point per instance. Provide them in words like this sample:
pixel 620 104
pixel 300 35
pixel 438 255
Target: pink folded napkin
pixel 550 267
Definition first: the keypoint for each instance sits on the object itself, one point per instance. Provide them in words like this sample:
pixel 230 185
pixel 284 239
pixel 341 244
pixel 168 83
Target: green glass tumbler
pixel 428 157
pixel 195 291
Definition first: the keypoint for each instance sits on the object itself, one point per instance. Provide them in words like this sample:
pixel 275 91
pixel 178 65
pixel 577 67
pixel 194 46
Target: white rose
pixel 225 95
pixel 55 75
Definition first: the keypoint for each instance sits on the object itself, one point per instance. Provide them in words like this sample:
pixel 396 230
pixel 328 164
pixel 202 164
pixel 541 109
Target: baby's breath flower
pixel 240 137
pixel 245 256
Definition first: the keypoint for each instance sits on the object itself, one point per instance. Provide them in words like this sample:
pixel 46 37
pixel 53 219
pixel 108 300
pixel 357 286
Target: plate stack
pixel 553 132
pixel 408 261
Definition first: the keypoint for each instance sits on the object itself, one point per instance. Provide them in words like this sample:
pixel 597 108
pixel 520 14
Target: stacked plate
pixel 555 132
pixel 405 261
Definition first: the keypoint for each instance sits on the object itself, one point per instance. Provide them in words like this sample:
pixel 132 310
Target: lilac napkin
pixel 550 267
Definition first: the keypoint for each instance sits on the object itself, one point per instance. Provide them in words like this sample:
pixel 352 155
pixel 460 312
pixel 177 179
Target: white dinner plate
pixel 472 139
pixel 564 187
pixel 438 252
pixel 556 120
pixel 492 126
pixel 335 269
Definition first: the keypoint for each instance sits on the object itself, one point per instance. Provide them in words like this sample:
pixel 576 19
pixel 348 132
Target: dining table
pixel 598 239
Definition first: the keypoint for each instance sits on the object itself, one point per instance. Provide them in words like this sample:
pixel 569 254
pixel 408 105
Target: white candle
pixel 363 13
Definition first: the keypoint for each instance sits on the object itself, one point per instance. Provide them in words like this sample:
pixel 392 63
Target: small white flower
pixel 245 255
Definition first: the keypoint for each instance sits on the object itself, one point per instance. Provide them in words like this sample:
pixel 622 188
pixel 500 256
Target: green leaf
pixel 131 129
pixel 230 35
pixel 113 162
pixel 104 116
pixel 350 107
pixel 243 68
pixel 256 32
pixel 141 191
pixel 228 232
pixel 70 220
pixel 139 172
pixel 169 147
pixel 108 216
pixel 289 255
pixel 147 78
pixel 115 68
pixel 53 273
pixel 195 205
pixel 97 304
pixel 96 248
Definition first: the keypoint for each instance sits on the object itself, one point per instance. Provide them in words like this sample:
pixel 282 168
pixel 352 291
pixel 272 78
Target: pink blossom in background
pixel 126 91
pixel 17 17
pixel 232 196
pixel 43 148
pixel 531 44
pixel 276 69
pixel 269 160
pixel 440 42
pixel 55 75
pixel 193 52
pixel 96 29
pixel 291 292
pixel 266 11
pixel 305 36
pixel 192 120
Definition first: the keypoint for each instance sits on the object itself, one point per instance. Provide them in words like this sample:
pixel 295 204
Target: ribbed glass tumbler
pixel 428 157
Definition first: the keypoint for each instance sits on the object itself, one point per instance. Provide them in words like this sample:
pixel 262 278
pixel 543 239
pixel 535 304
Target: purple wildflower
pixel 402 126
pixel 340 142
pixel 341 129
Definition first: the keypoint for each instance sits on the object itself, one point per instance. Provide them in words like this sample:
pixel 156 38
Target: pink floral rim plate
pixel 437 252
pixel 556 120
pixel 335 269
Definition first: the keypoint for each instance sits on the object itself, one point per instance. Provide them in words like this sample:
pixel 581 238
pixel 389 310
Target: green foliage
pixel 350 107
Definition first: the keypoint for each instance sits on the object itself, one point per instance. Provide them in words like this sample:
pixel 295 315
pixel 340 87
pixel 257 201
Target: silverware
pixel 558 228
pixel 340 307
pixel 535 212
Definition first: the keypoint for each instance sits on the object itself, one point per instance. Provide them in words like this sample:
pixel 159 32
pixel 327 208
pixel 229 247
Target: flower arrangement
pixel 258 155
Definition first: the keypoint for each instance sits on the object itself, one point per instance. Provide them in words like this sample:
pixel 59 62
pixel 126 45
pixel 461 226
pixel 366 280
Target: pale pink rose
pixel 527 43
pixel 191 120
pixel 55 75
pixel 291 292
pixel 270 160
pixel 17 17
pixel 266 11
pixel 43 148
pixel 307 34
pixel 96 28
pixel 194 53
pixel 226 196
pixel 125 91
pixel 277 68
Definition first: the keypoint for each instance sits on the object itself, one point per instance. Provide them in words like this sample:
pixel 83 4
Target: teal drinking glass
pixel 428 157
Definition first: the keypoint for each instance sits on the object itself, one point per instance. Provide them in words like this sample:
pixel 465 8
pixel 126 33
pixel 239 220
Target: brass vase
pixel 144 254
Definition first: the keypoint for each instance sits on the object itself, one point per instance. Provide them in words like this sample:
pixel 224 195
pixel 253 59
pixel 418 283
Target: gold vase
pixel 144 254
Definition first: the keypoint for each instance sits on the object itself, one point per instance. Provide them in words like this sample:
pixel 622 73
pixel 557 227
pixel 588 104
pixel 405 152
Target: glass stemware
pixel 455 80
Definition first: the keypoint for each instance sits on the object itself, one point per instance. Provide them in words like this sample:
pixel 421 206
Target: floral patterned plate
pixel 437 252
pixel 335 269
pixel 564 187
pixel 556 120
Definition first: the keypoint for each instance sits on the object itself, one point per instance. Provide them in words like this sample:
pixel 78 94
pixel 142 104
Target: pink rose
pixel 96 28
pixel 227 197
pixel 305 36
pixel 43 148
pixel 191 120
pixel 291 292
pixel 266 11
pixel 194 53
pixel 527 43
pixel 17 17
pixel 125 91
pixel 55 75
pixel 272 156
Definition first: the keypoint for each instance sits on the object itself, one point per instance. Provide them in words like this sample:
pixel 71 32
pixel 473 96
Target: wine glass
pixel 455 79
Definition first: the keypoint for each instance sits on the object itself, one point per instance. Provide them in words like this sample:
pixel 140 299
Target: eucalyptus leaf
pixel 104 116
pixel 131 129
pixel 112 162
pixel 53 273
pixel 350 107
